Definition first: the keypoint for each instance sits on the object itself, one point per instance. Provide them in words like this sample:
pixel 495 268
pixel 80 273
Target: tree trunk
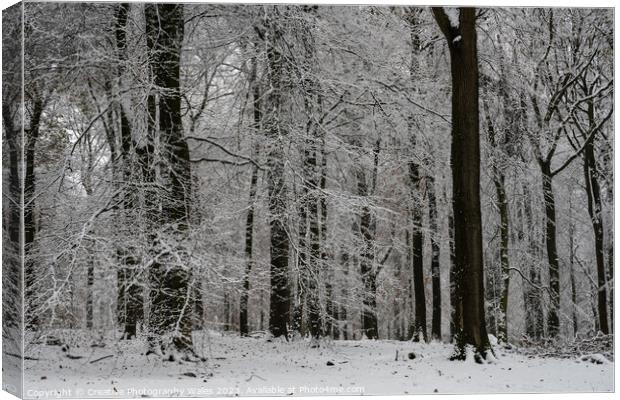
pixel 595 208
pixel 367 233
pixel 331 310
pixel 12 249
pixel 553 320
pixel 129 296
pixel 279 240
pixel 170 284
pixel 418 330
pixel 454 317
pixel 369 303
pixel 502 205
pixel 571 264
pixel 31 135
pixel 435 266
pixel 466 181
pixel 311 175
pixel 249 221
pixel 532 293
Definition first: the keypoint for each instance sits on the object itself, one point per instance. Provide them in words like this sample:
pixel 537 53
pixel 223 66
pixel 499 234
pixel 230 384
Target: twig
pixel 101 358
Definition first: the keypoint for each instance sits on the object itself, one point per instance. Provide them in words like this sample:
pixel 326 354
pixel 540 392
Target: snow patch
pixel 453 15
pixel 246 365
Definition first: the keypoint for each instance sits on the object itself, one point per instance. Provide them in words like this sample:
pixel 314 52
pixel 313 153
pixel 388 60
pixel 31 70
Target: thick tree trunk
pixel 276 187
pixel 170 284
pixel 462 42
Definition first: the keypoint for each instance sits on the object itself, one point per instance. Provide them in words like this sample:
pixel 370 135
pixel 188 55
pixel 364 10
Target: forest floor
pixel 77 367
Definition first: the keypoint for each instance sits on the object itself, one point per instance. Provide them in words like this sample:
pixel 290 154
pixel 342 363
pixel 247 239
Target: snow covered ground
pixel 256 366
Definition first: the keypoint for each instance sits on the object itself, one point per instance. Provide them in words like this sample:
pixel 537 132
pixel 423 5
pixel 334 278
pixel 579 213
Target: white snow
pixel 453 15
pixel 457 39
pixel 257 366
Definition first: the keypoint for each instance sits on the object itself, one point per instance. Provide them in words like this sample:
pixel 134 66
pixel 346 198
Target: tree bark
pixel 571 264
pixel 454 317
pixel 553 320
pixel 249 220
pixel 170 287
pixel 532 293
pixel 129 297
pixel 499 181
pixel 418 329
pixel 31 135
pixel 276 185
pixel 595 207
pixel 367 233
pixel 12 245
pixel 435 250
pixel 471 328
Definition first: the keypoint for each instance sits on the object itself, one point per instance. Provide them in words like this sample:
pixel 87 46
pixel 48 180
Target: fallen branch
pixel 254 375
pixel 101 358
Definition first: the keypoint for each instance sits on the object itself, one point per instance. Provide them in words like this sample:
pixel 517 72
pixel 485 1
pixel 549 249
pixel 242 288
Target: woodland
pixel 308 174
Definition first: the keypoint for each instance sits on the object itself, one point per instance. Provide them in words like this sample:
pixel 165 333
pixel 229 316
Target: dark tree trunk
pixel 249 219
pixel 31 136
pixel 345 294
pixel 198 322
pixel 170 284
pixel 90 263
pixel 610 276
pixel 249 227
pixel 435 250
pixel 466 181
pixel 369 303
pixel 331 310
pixel 302 262
pixel 12 255
pixel 418 329
pixel 532 293
pixel 311 175
pixel 553 319
pixel 276 186
pixel 594 210
pixel 367 233
pixel 571 264
pixel 502 203
pixel 454 317
pixel 129 297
